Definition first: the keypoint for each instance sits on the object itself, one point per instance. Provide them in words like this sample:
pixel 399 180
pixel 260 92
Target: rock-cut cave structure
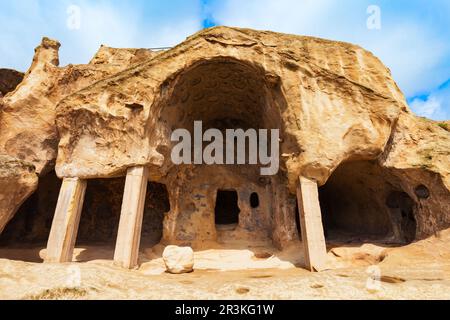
pixel 85 149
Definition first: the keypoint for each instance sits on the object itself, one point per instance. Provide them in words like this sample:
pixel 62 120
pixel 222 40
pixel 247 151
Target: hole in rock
pixel 101 212
pixel 358 204
pixel 402 213
pixel 156 206
pixel 99 221
pixel 32 222
pixel 135 106
pixel 254 200
pixel 422 192
pixel 102 208
pixel 297 220
pixel 223 93
pixel 227 209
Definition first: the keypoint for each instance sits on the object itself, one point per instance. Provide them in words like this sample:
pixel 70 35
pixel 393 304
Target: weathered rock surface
pixel 405 190
pixel 418 155
pixel 9 80
pixel 178 260
pixel 308 87
pixel 334 102
pixel 27 116
pixel 343 122
pixel 17 181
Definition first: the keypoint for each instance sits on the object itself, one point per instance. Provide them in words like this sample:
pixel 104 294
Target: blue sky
pixel 414 39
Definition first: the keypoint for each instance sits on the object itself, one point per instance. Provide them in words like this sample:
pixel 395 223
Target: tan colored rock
pixel 332 90
pixel 27 115
pixel 178 259
pixel 382 173
pixel 418 154
pixel 17 182
pixel 367 255
pixel 311 225
pixel 333 101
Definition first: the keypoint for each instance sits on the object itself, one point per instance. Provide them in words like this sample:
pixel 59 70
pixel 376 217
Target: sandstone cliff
pixel 334 102
pixel 27 115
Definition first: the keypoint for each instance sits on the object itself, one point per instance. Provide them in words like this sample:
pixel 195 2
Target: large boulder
pixel 179 259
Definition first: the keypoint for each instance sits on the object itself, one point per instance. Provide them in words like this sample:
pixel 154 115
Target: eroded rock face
pixel 99 219
pixel 403 195
pixel 418 154
pixel 343 122
pixel 27 116
pixel 305 86
pixel 17 182
pixel 333 102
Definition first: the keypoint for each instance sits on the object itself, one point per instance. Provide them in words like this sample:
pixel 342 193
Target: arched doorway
pixel 364 202
pixel 227 208
pixel 221 93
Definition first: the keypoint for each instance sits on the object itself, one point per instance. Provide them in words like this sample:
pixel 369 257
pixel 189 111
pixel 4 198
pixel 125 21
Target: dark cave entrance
pixel 102 207
pixel 157 204
pixel 31 224
pixel 364 202
pixel 101 212
pixel 254 200
pixel 402 212
pixel 100 217
pixel 227 208
pixel 223 93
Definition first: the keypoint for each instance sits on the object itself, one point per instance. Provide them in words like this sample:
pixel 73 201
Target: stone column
pixel 311 223
pixel 130 226
pixel 63 234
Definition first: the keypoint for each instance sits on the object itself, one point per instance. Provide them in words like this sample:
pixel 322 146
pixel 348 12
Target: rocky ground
pixel 418 271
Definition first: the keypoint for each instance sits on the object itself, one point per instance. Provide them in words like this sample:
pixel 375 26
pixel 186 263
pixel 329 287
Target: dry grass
pixel 444 126
pixel 59 294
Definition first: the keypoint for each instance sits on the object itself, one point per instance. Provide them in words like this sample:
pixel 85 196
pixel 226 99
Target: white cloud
pixel 125 26
pixel 436 106
pixel 426 108
pixel 414 54
pixel 140 24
